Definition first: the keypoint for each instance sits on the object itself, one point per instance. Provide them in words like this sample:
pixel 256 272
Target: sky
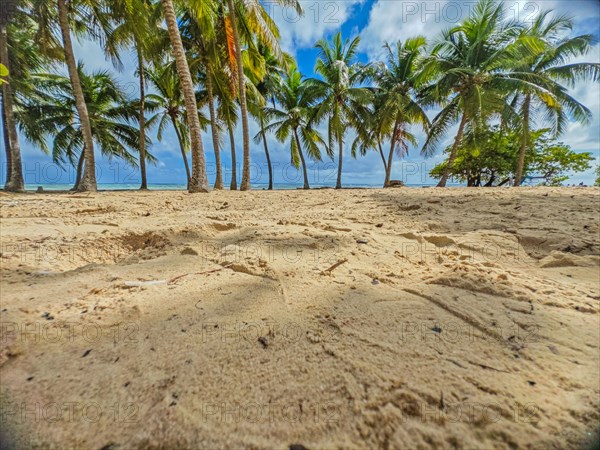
pixel 375 21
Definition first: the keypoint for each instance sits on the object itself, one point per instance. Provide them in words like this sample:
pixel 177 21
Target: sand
pixel 399 318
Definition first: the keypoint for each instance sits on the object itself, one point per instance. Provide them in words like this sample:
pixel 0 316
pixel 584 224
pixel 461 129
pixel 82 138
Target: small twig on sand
pixel 335 266
pixel 174 279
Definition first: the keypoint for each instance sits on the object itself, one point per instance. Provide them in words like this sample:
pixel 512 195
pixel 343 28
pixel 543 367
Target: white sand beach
pixel 397 318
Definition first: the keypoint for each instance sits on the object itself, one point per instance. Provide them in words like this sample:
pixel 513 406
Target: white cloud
pixel 319 19
pixel 392 20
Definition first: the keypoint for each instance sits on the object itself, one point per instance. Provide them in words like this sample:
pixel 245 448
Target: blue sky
pixel 375 21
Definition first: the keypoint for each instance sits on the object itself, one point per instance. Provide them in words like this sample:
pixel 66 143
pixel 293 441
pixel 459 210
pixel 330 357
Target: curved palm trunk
pixel 243 107
pixel 304 171
pixel 233 185
pixel 382 155
pixel 388 167
pixel 79 172
pixel 457 139
pixel 524 143
pixel 215 131
pixel 14 181
pixel 6 141
pixel 269 165
pixel 88 180
pixel 142 119
pixel 182 148
pixel 338 184
pixel 199 180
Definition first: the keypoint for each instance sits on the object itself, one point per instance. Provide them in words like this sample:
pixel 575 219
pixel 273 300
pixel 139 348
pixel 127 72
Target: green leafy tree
pixel 554 160
pixel 489 158
pixel 467 67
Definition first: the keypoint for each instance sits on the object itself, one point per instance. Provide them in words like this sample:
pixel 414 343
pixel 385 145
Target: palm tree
pixel 466 65
pixel 227 113
pixel 292 120
pixel 199 179
pixel 50 113
pixel 137 25
pixel 342 101
pixel 200 27
pixel 254 19
pixel 169 104
pixel 14 180
pixel 398 83
pixel 25 58
pixel 267 84
pixel 88 180
pixel 375 131
pixel 543 70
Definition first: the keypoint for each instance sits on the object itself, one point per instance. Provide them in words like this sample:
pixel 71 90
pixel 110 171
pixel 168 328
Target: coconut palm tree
pixel 398 83
pixel 375 131
pixel 267 84
pixel 14 180
pixel 228 115
pixel 199 179
pixel 342 99
pixel 201 27
pixel 543 70
pixel 25 58
pixel 255 20
pixel 467 65
pixel 291 120
pixel 51 113
pixel 136 26
pixel 168 104
pixel 86 11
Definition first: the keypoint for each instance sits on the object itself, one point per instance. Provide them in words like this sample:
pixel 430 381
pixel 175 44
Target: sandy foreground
pixel 399 318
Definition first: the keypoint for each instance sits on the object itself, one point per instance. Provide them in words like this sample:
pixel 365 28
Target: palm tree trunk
pixel 199 180
pixel 243 107
pixel 88 181
pixel 382 155
pixel 338 184
pixel 457 139
pixel 304 171
pixel 233 185
pixel 182 148
pixel 388 167
pixel 7 148
pixel 79 171
pixel 524 142
pixel 269 165
pixel 142 118
pixel 15 180
pixel 214 129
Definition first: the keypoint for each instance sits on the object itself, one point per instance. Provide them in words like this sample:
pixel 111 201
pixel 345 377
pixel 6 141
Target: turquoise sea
pixel 182 187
